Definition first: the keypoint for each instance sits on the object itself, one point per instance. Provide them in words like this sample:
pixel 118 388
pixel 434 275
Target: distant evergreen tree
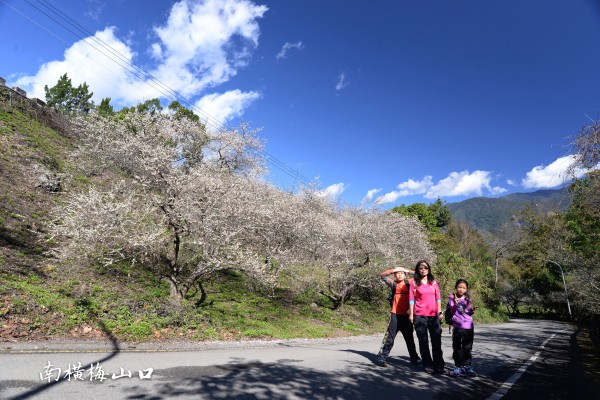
pixel 180 111
pixel 433 216
pixel 442 213
pixel 80 99
pixel 151 107
pixel 58 95
pixel 64 97
pixel 105 108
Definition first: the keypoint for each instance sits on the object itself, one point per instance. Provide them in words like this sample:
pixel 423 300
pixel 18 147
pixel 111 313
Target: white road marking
pixel 502 390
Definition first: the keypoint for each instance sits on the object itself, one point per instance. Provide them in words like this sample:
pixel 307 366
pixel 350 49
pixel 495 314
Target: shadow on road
pixel 284 379
pixel 360 378
pixel 246 379
pixel 42 388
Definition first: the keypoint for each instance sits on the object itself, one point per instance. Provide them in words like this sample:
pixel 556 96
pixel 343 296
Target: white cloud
pixel 220 108
pixel 389 197
pixel 408 188
pixel 550 176
pixel 88 60
pixel 95 8
pixel 496 190
pixel 341 83
pixel 416 187
pixel 461 184
pixel 455 184
pixel 332 191
pixel 287 47
pixel 156 50
pixel 370 195
pixel 201 45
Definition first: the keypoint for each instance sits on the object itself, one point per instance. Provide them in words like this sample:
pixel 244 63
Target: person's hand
pixel 410 318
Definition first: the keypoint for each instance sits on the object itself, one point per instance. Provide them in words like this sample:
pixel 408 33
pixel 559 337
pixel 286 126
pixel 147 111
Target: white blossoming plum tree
pixel 187 203
pixel 182 209
pixel 361 243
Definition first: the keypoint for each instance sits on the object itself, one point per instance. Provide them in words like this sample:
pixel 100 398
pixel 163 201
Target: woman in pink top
pixel 425 312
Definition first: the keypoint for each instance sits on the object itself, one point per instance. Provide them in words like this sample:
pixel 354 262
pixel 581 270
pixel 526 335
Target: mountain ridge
pixel 488 215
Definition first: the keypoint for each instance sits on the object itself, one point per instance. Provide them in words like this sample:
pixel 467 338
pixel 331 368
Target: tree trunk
pixel 175 295
pixel 336 300
pixel 203 294
pixel 496 268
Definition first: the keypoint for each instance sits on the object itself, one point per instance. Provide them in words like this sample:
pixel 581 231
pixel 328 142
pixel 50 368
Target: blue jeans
pixel 423 325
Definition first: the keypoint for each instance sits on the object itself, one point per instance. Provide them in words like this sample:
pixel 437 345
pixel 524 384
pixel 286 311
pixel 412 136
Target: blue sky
pixel 390 101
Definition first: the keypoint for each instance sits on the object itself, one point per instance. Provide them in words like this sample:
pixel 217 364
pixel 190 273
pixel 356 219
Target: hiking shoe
pixel 381 362
pixel 469 371
pixel 456 372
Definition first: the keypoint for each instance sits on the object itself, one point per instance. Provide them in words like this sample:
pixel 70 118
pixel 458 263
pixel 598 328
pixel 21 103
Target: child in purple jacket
pixel 462 308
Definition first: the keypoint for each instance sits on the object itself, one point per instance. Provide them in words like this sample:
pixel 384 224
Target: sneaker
pixel 468 370
pixel 415 361
pixel 439 371
pixel 429 370
pixel 381 361
pixel 456 372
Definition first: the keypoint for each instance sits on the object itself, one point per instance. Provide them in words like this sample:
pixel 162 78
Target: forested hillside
pixel 489 215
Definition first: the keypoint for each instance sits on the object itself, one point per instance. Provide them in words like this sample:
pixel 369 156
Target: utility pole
pixel 565 286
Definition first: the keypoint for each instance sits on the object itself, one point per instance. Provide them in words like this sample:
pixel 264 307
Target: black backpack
pixel 448 314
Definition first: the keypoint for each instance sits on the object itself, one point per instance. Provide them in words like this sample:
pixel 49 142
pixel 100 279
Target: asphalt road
pixel 522 359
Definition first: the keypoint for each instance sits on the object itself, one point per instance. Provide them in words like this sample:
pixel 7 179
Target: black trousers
pixel 399 323
pixel 462 344
pixel 433 326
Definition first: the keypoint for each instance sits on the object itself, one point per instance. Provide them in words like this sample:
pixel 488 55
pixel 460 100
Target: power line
pixel 62 40
pixel 141 74
pixel 133 69
pixel 170 92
